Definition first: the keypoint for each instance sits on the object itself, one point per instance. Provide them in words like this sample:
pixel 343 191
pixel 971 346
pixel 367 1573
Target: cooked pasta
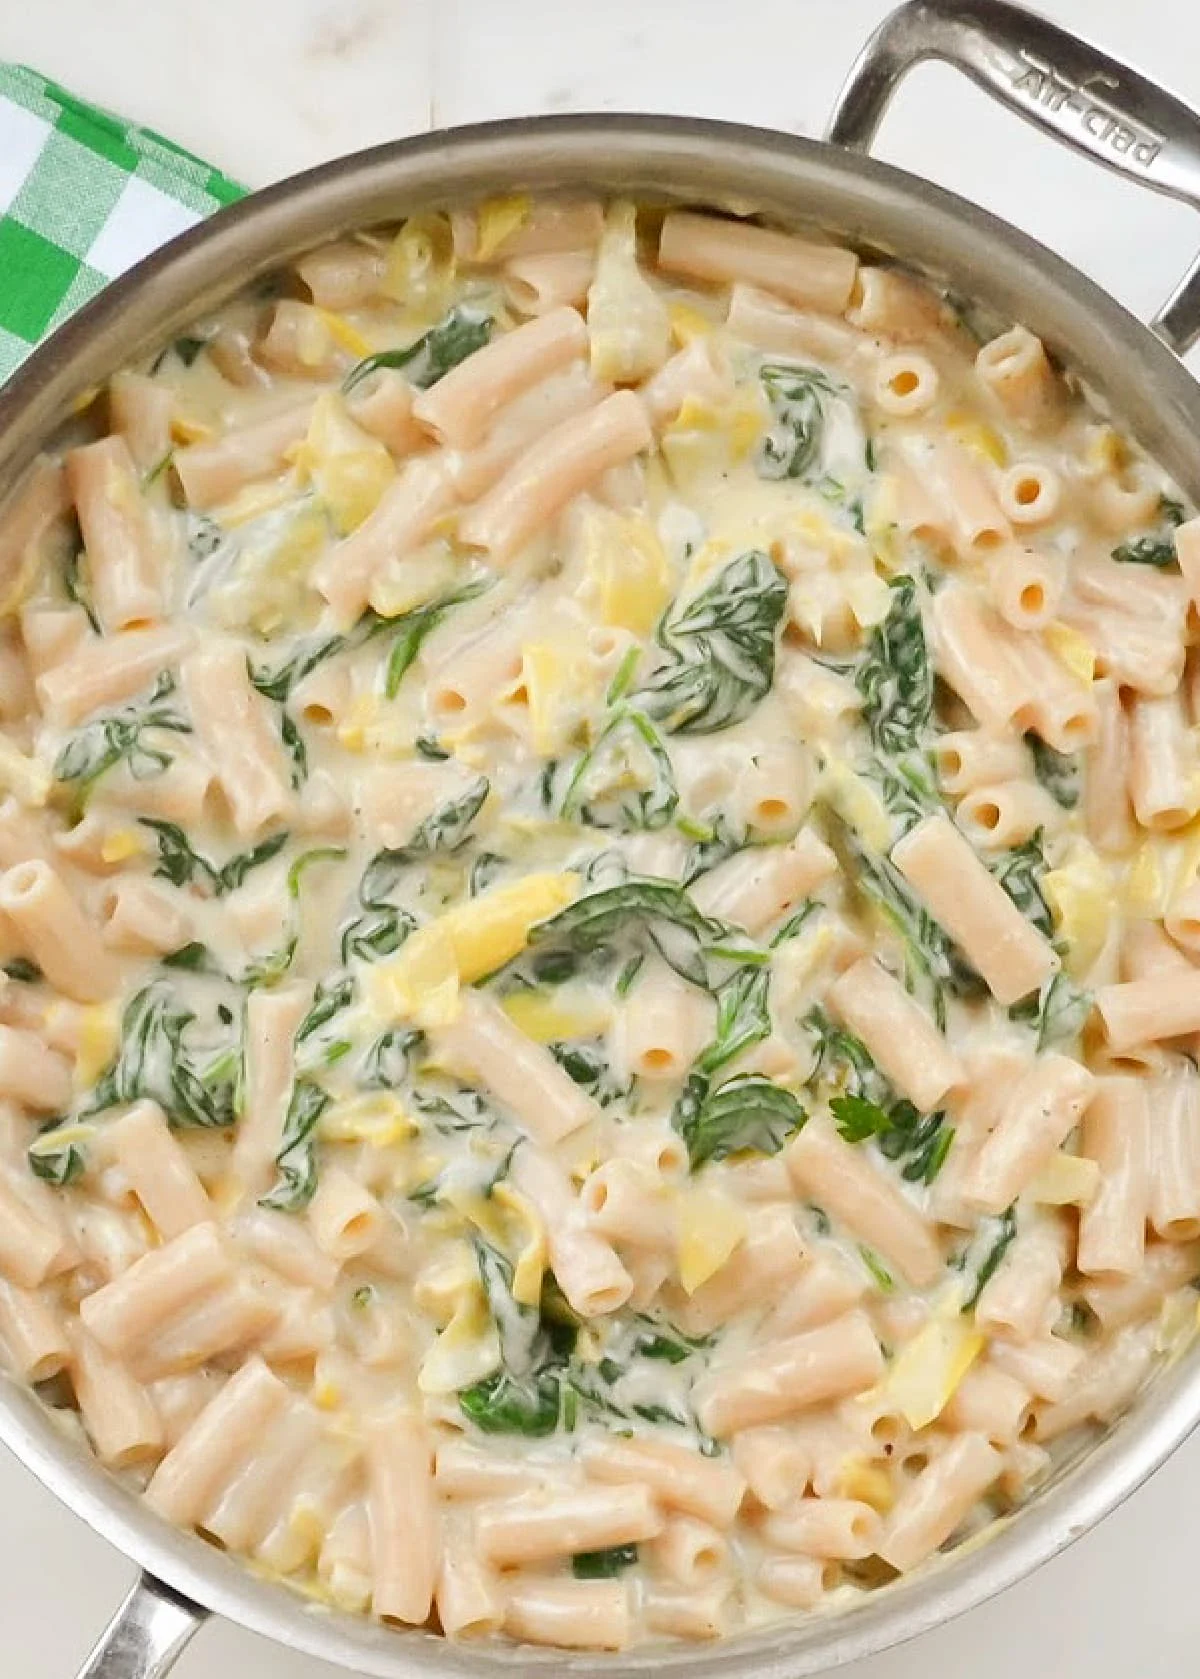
pixel 599 909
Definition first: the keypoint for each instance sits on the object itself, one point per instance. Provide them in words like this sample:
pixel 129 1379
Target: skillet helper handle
pixel 147 1634
pixel 1093 103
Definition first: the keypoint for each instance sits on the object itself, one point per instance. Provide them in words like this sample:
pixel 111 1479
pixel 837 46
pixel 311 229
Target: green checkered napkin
pixel 83 196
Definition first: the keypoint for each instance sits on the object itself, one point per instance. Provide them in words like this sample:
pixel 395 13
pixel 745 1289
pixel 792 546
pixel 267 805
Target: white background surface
pixel 265 87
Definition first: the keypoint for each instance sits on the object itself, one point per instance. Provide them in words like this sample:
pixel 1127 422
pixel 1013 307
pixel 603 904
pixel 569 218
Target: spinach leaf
pixel 272 967
pixel 277 684
pixel 297 1181
pixel 204 536
pixel 330 997
pixel 710 846
pixel 1021 872
pixel 527 1395
pixel 21 969
pixel 628 753
pixel 457 336
pixel 798 397
pixel 56 1154
pixel 743 1018
pixel 1157 549
pixel 293 745
pixel 75 587
pixel 411 629
pixel 182 865
pixel 748 1111
pixel 658 911
pixel 883 1278
pixel 603 1565
pixel 430 748
pixel 1006 1232
pixel 1058 772
pixel 866 1106
pixel 500 1404
pixel 1056 1013
pixel 721 649
pixel 154 1062
pixel 386 1063
pixel 894 675
pixel 106 742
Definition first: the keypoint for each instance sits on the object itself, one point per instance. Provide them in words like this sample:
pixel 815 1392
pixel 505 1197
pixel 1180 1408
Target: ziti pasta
pixel 599 904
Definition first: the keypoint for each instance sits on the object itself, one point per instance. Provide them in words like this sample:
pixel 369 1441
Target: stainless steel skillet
pixel 1055 81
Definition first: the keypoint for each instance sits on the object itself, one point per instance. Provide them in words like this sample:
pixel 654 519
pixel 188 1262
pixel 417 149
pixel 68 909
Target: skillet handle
pixel 1091 102
pixel 146 1635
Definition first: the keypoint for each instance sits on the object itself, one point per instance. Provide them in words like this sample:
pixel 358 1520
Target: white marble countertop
pixel 264 89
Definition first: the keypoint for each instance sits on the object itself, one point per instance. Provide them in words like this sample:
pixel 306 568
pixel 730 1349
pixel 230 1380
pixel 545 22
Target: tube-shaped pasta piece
pixel 1017 370
pixel 932 1506
pixel 625 1202
pixel 228 1320
pixel 159 1171
pixel 839 1528
pixel 955 886
pixel 688 1552
pixel 33 1335
pixel 552 473
pixel 903 1040
pixel 227 1431
pixel 717 249
pixel 406 1549
pixel 757 886
pixel 1106 809
pixel 125 565
pixel 1142 1011
pixel 1182 919
pixel 1187 552
pixel 1120 1301
pixel 346 1218
pixel 532 1529
pixel 1000 815
pixel 1164 777
pixel 299 342
pixel 469 1597
pixel 1175 1155
pixel 528 418
pixel 459 408
pixel 1104 1384
pixel 798 1582
pixel 118 1413
pixel 775 1465
pixel 762 320
pixel 238 736
pixel 419 495
pixel 851 1188
pixel 1026 586
pixel 485 1044
pixel 1039 1114
pixel 50 634
pixel 1135 652
pixel 158 1287
pixel 1029 493
pixel 31 1073
pixel 973 656
pixel 343 275
pixel 970 758
pixel 462 1470
pixel 906 384
pixel 569 1614
pixel 585 1266
pixel 139 410
pixel 144 917
pixel 1116 1135
pixel 243 1514
pixel 381 404
pixel 537 284
pixel 1045 1367
pixel 830 1362
pixel 108 671
pixel 283 1243
pixel 707 1488
pixel 525 228
pixel 988 1402
pixel 661 1029
pixel 1021 1293
pixel 271 1021
pixel 825 1288
pixel 959 484
pixel 30 1245
pixel 213 472
pixel 770 1257
pixel 53 929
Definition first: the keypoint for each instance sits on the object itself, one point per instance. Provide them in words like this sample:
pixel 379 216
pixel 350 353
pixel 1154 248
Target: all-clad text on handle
pixel 1090 101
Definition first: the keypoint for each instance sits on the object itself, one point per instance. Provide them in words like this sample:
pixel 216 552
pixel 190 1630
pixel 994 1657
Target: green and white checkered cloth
pixel 83 196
